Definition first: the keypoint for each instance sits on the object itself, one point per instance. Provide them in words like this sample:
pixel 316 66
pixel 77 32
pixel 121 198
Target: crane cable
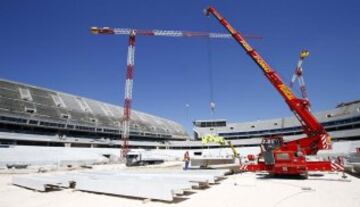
pixel 210 72
pixel 211 82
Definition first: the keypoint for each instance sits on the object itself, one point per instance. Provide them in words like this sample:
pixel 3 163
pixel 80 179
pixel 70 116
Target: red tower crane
pixel 277 156
pixel 131 61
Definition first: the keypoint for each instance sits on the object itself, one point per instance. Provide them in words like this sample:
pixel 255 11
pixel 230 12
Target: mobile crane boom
pixel 317 137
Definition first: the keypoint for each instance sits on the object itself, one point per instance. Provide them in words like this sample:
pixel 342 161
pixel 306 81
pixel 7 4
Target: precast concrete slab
pixel 144 177
pixel 38 183
pixel 157 191
pixel 213 172
pixel 148 185
pixel 191 177
pixel 210 161
pixel 164 190
pixel 137 181
pixel 217 174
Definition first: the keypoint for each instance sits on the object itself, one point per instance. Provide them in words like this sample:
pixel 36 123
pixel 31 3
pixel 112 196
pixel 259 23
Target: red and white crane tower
pixel 131 61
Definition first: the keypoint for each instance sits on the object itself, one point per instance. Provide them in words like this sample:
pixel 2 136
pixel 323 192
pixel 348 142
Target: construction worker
pixel 186 160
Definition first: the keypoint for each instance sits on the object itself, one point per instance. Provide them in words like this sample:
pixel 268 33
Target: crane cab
pixel 268 145
pixel 279 160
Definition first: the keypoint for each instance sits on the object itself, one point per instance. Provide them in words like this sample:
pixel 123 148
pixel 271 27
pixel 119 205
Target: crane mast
pixel 128 93
pixel 317 138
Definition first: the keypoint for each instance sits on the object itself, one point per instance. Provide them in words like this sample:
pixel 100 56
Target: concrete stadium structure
pixel 31 115
pixel 342 122
pixel 45 127
pixel 35 116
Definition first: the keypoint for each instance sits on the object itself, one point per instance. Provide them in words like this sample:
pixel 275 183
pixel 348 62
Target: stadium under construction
pixel 41 117
pixel 33 116
pixel 72 144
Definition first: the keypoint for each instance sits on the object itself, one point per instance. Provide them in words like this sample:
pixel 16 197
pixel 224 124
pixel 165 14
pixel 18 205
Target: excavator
pixel 277 156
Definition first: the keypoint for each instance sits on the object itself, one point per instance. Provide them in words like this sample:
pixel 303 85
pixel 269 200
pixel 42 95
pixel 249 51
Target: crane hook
pixel 212 106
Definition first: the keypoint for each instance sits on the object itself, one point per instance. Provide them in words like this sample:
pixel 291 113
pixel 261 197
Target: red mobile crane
pixel 278 157
pixel 131 61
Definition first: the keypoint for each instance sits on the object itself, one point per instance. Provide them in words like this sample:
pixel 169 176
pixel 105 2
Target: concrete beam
pixel 39 183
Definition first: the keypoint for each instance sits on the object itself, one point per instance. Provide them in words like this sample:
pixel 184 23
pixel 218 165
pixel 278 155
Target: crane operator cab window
pixel 271 143
pixel 268 145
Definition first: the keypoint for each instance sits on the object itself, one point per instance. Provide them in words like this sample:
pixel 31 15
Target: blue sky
pixel 48 44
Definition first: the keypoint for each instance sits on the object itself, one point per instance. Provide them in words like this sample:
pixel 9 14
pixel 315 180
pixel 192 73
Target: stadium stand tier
pixel 343 122
pixel 69 120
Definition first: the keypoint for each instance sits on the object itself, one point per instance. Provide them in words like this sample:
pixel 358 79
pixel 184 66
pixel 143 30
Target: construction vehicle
pixel 278 157
pixel 136 158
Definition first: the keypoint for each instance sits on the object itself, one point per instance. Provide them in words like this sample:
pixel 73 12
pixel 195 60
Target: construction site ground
pixel 245 189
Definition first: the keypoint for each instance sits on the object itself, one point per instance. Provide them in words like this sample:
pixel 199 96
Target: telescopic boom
pixel 317 138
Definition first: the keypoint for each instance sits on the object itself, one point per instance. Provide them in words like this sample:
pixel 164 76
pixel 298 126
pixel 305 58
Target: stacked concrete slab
pixel 163 186
pixel 50 155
